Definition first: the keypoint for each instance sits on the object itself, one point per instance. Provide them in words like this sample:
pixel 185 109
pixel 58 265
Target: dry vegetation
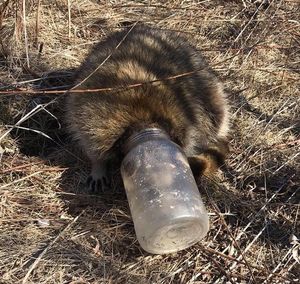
pixel 52 231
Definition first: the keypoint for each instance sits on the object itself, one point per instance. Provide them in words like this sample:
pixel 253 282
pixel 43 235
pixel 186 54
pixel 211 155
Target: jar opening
pixel 144 135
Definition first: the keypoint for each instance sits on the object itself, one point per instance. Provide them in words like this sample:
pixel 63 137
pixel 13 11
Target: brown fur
pixel 192 109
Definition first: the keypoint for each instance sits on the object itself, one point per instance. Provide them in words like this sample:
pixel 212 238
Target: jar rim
pixel 143 136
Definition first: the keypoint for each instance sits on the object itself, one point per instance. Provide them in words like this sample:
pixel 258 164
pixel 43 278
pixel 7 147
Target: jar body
pixel 164 200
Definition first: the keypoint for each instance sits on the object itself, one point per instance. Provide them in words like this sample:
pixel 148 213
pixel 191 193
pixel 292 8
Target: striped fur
pixel 191 108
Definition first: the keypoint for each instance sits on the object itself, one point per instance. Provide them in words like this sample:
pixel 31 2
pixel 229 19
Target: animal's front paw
pixel 97 184
pixel 98 180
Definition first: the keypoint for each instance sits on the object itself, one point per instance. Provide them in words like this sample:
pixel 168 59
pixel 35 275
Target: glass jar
pixel 164 200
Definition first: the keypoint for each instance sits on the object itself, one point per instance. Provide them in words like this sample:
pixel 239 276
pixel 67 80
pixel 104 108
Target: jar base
pixel 174 237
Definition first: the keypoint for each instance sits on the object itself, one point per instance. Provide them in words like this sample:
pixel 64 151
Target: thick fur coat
pixel 153 78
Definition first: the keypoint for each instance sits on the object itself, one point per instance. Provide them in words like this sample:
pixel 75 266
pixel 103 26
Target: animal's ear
pixel 207 162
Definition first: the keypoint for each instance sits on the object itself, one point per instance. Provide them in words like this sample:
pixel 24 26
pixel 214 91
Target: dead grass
pixel 51 231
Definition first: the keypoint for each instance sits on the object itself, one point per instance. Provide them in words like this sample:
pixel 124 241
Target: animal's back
pixel 180 93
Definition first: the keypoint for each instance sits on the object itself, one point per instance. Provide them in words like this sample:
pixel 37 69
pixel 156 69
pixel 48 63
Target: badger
pixel 141 78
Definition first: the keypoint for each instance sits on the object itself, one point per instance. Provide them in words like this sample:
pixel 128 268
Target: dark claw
pixel 93 186
pixel 106 182
pixel 97 185
pixel 89 180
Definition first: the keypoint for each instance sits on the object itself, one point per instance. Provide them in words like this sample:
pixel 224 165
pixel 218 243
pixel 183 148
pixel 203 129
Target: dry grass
pixel 51 231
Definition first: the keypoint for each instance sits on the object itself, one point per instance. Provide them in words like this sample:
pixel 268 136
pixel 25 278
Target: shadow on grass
pixel 282 123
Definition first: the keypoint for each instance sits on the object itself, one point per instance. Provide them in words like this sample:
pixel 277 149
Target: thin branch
pixel 25 33
pixel 37 23
pixel 69 18
pixel 101 64
pixel 18 180
pixel 38 259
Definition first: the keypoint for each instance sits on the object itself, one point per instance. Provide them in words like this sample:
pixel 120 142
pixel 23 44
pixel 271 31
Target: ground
pixel 53 231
